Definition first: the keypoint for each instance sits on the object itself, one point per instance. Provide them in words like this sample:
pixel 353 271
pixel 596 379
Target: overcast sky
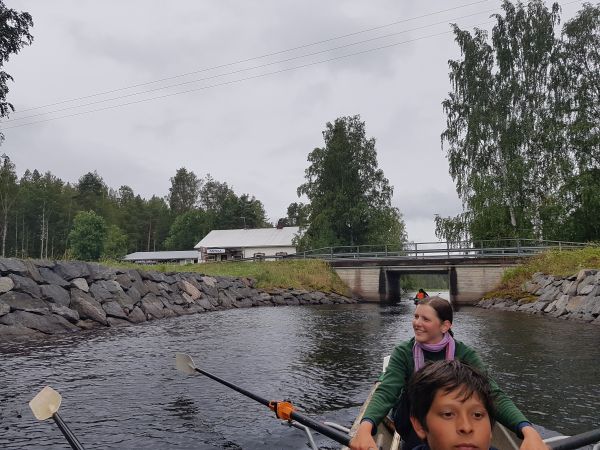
pixel 255 134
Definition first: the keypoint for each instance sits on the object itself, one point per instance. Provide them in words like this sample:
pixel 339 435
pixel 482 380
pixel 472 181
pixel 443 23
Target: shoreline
pixel 574 297
pixel 40 298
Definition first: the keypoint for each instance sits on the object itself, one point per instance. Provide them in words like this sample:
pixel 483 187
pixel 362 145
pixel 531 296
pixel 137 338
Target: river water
pixel 121 390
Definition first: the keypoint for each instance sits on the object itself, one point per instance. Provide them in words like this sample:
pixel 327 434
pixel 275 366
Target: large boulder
pixel 33 272
pixel 81 284
pixel 586 285
pixel 100 293
pixel 136 315
pixel 19 301
pixel 130 298
pixel 11 265
pixel 70 314
pixel 113 309
pixel 4 308
pixel 6 284
pixel 46 263
pixel 55 294
pixel 189 289
pixel 87 307
pixel 27 285
pixel 156 277
pixel 124 280
pixel 225 299
pixel 205 304
pixel 153 306
pixel 46 323
pixel 99 272
pixel 72 269
pixel 575 303
pixel 12 331
pixel 125 301
pixel 50 277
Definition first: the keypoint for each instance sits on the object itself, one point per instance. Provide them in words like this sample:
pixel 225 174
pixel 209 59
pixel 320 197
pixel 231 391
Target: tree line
pixel 42 216
pixel 349 203
pixel 522 133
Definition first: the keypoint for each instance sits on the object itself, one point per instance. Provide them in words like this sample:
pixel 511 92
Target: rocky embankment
pixel 48 297
pixel 575 297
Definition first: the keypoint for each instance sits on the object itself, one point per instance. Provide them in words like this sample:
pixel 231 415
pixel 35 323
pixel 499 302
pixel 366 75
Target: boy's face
pixel 455 424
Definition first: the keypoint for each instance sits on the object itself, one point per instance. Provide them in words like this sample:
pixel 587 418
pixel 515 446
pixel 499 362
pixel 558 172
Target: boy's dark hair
pixel 448 376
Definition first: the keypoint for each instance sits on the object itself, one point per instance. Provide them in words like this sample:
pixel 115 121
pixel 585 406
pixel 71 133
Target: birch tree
pixel 499 129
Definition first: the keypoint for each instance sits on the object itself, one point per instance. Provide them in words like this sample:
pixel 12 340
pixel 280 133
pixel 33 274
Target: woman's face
pixel 428 327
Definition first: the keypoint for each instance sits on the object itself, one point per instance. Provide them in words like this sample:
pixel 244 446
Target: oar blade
pixel 45 403
pixel 185 363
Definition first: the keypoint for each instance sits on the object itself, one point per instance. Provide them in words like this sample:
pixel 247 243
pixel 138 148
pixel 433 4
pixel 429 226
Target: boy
pixel 451 407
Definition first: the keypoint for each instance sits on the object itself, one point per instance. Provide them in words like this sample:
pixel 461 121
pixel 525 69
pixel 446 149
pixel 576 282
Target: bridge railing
pixel 474 249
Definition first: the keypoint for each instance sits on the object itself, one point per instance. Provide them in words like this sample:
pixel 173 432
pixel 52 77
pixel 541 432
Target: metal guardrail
pixel 432 250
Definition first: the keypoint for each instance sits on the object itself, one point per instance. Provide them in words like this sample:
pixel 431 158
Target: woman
pixel 433 341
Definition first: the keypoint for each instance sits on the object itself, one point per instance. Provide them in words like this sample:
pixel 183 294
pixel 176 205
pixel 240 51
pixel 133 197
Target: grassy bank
pixel 558 263
pixel 297 274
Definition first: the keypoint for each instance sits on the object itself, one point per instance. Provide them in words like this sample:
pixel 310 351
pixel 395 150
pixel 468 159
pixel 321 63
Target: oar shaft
pixel 234 387
pixel 68 434
pixel 334 434
pixel 579 440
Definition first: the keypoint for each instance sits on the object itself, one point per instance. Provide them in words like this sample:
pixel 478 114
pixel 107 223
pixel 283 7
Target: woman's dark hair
pixel 447 376
pixel 442 307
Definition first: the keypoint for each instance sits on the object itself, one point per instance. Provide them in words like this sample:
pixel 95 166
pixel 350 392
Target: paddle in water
pixel 45 406
pixel 283 410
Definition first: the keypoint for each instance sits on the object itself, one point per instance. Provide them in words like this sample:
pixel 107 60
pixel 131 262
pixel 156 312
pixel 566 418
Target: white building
pixel 222 245
pixel 181 257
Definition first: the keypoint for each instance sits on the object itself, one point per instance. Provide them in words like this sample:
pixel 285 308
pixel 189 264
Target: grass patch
pixel 312 275
pixel 553 262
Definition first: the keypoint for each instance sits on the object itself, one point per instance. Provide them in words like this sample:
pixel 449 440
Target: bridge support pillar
pixel 365 282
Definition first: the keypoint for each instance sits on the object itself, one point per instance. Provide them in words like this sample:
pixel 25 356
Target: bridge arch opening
pixel 398 280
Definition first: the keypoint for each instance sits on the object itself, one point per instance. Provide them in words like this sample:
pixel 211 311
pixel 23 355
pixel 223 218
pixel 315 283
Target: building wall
pixel 268 251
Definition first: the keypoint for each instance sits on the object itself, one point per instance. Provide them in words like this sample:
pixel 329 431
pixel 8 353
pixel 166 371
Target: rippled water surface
pixel 121 390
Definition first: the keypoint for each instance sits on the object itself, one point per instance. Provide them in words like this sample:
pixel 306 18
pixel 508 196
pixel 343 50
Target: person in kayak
pixel 421 295
pixel 451 406
pixel 433 340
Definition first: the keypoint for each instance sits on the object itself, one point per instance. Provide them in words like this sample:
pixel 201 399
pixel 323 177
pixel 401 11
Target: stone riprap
pixel 575 297
pixel 48 297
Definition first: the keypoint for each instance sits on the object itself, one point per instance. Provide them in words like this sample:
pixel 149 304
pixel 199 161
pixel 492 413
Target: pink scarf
pixel 418 356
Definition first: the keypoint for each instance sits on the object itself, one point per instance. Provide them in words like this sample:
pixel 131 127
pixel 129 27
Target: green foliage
pixel 14 30
pixel 297 274
pixel 115 243
pixel 350 198
pixel 91 192
pixel 188 229
pixel 240 212
pixel 298 215
pixel 184 191
pixel 8 194
pixel 86 239
pixel 522 135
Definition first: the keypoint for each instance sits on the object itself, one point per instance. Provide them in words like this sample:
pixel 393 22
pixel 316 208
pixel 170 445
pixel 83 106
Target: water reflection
pixel 120 388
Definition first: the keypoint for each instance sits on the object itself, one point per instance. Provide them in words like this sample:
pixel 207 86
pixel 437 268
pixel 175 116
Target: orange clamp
pixel 283 410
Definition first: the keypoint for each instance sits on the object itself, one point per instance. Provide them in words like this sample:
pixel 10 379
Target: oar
pixel 577 441
pixel 45 405
pixel 283 410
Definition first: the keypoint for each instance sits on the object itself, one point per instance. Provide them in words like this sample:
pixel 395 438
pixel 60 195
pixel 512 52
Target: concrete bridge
pixel 473 268
pixel 379 280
